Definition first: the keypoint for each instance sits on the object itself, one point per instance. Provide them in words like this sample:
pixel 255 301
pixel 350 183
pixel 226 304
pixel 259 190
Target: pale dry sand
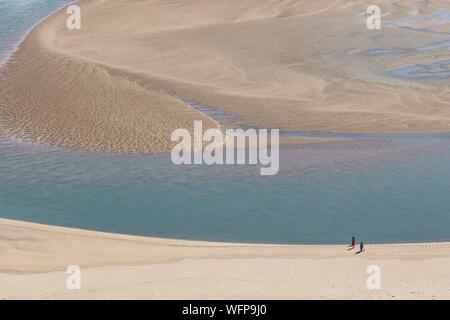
pixel 276 64
pixel 33 260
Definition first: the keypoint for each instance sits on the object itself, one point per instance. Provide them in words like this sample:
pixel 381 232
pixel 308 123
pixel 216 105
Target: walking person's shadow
pixel 352 245
pixel 361 248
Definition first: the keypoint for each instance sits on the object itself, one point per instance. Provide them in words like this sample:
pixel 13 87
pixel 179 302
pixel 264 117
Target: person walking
pixel 361 247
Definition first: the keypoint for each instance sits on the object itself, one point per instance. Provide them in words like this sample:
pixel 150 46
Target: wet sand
pixel 276 64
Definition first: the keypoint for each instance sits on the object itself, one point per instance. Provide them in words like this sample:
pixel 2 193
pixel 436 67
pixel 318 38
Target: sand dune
pixel 293 65
pixel 33 260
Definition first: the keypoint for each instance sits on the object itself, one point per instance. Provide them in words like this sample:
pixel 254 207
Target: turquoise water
pixel 381 188
pixel 17 17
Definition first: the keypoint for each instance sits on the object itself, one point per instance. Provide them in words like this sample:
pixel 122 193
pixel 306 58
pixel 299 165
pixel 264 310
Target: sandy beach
pixel 33 260
pixel 119 83
pixel 114 85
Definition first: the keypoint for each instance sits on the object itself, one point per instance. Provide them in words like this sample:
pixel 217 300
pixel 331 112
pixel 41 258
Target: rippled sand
pixel 293 65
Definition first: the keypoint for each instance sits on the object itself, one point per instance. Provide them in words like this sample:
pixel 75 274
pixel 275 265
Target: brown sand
pixel 49 97
pixel 277 64
pixel 33 260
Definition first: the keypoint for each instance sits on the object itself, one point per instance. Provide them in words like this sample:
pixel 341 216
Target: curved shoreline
pixel 206 243
pixel 70 102
pixel 74 101
pixel 34 258
pixel 22 39
pixel 36 30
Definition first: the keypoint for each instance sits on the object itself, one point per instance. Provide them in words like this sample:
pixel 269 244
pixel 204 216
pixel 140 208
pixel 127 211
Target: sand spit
pixel 52 98
pixel 276 64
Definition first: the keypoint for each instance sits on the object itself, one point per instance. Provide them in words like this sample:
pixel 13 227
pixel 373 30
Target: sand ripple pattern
pixel 51 98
